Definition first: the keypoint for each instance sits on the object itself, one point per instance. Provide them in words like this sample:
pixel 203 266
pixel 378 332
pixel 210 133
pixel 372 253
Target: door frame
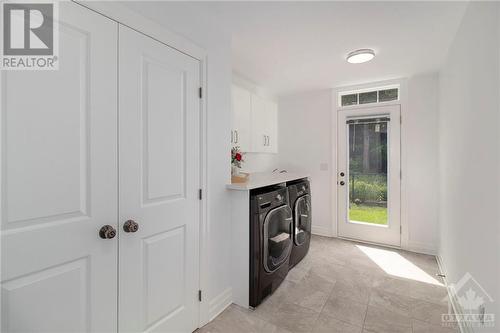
pixel 403 104
pixel 125 16
pixel 390 234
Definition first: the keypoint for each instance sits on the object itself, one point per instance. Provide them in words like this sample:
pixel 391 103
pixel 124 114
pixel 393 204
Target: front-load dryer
pixel 300 201
pixel 270 241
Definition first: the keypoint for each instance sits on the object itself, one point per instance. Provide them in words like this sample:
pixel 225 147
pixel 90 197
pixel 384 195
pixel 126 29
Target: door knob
pixel 342 174
pixel 130 226
pixel 107 232
pixel 342 183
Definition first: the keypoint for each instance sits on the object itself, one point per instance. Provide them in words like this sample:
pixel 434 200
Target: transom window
pixel 368 96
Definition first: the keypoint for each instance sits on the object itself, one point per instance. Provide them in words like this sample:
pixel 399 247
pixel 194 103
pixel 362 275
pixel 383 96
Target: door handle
pixel 130 226
pixel 107 232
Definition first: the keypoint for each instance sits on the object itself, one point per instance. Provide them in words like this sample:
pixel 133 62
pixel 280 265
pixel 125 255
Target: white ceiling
pixel 288 47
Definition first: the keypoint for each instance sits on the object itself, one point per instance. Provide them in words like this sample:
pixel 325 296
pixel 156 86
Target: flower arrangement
pixel 236 159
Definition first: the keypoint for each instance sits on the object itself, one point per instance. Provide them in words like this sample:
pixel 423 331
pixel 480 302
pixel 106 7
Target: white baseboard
pixel 219 303
pixel 321 231
pixel 452 297
pixel 421 248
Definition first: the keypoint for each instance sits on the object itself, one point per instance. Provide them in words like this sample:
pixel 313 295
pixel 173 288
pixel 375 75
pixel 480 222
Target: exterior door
pixel 59 184
pixel 368 178
pixel 159 178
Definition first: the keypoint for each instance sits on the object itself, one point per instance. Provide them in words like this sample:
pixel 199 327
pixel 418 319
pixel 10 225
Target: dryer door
pixel 302 221
pixel 277 238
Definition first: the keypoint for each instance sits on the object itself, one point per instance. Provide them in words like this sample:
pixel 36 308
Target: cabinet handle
pixel 268 140
pixel 237 137
pixel 232 136
pixel 265 140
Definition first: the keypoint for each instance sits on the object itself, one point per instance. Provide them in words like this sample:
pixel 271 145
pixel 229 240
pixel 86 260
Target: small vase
pixel 235 171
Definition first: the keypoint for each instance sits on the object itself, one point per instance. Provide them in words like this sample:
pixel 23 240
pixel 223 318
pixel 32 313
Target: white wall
pixel 193 24
pixel 469 152
pixel 420 151
pixel 304 126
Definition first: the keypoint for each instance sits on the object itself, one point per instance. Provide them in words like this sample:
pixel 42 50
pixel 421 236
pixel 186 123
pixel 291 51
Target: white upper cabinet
pixel 255 122
pixel 271 127
pixel 242 107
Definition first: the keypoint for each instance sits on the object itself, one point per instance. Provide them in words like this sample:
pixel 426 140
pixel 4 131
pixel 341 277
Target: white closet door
pixel 59 184
pixel 159 159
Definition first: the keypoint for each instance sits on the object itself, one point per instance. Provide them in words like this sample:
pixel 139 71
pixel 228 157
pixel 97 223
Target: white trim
pixel 403 102
pixel 204 227
pixel 125 16
pixel 457 309
pixel 424 248
pixel 219 303
pixel 322 231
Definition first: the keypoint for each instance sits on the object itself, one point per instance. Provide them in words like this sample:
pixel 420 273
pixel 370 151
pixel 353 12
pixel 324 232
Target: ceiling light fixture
pixel 360 56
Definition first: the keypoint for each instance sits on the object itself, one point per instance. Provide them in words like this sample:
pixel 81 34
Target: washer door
pixel 302 221
pixel 277 238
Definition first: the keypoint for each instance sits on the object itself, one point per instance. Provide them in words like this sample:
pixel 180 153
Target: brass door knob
pixel 107 232
pixel 130 226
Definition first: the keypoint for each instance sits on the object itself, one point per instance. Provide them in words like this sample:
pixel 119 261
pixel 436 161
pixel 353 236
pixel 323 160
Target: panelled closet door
pixel 59 184
pixel 159 177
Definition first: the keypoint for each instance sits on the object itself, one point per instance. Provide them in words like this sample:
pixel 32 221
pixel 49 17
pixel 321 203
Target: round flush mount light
pixel 360 56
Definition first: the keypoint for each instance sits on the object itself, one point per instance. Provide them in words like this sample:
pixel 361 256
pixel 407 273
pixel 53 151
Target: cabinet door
pixel 59 184
pixel 259 121
pixel 159 162
pixel 241 110
pixel 271 127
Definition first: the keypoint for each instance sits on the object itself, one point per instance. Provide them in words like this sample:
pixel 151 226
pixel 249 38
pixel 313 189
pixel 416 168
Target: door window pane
pixel 368 171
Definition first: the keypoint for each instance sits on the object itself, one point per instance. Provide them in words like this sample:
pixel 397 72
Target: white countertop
pixel 261 179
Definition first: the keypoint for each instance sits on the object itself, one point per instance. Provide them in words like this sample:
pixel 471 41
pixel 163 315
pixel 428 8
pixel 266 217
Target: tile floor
pixel 343 286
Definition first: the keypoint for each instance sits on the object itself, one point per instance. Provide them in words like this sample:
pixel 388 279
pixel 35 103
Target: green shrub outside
pixel 368 188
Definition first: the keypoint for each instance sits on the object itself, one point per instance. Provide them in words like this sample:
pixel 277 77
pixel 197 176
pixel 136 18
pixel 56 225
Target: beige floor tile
pixel 392 285
pixel 308 296
pixel 236 319
pixel 328 324
pixel 428 292
pixel 391 302
pixel 337 288
pixel 380 320
pixel 296 274
pixel 423 327
pixel 294 318
pixel 317 282
pixel 428 312
pixel 346 310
